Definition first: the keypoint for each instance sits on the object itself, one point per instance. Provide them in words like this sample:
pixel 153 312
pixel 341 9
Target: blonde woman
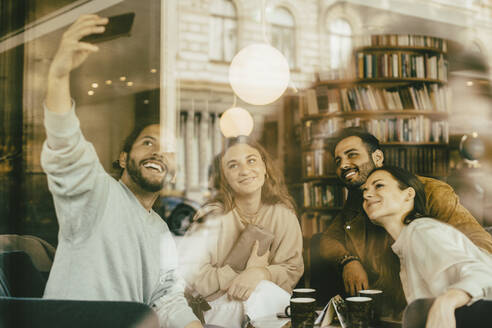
pixel 250 191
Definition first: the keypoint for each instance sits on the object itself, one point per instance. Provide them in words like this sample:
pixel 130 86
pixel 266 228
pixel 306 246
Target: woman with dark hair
pixel 436 260
pixel 251 196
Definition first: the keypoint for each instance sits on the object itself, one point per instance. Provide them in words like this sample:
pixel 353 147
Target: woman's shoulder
pixel 282 211
pixel 429 228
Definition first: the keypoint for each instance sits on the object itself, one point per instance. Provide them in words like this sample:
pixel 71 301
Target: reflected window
pixel 340 36
pixel 283 34
pixel 223 30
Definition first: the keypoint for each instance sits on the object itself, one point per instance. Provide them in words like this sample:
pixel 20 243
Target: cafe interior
pixel 280 71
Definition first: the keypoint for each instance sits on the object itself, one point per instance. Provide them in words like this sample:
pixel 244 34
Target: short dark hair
pixel 129 141
pixel 370 142
pixel 407 179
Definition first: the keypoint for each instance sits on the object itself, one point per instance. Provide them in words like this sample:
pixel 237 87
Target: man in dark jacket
pixel 349 241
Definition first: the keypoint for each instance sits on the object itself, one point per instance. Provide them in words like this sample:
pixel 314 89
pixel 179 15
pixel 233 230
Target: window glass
pixel 223 31
pixel 283 33
pixel 340 33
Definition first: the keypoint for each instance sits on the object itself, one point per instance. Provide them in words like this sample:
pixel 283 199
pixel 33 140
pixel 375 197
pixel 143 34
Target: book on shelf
pixel 427 161
pixel 402 40
pixel 412 129
pixel 322 195
pixel 401 65
pixel 313 223
pixel 432 97
pixel 317 163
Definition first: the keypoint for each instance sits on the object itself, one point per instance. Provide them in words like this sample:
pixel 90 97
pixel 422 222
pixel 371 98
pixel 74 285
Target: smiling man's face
pixel 146 164
pixel 353 162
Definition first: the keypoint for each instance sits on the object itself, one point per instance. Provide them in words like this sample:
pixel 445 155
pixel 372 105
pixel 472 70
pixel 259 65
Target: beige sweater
pixel 206 246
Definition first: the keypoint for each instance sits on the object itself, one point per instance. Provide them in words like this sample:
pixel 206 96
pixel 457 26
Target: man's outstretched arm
pixel 70 55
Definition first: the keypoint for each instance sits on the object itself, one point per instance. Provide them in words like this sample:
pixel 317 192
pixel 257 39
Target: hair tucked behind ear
pixel 407 179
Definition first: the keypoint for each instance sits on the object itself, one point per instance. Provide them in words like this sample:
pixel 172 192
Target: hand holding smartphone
pixel 117 26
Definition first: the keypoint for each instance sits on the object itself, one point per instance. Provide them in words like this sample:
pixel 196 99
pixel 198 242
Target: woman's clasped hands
pixel 245 283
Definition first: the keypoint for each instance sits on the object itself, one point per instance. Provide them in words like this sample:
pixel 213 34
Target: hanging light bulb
pixel 259 74
pixel 236 121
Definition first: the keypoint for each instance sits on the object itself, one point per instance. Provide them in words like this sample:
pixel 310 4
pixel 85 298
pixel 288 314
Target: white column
pixel 204 149
pixel 181 155
pixel 195 164
pixel 217 136
pixel 190 158
pixel 169 44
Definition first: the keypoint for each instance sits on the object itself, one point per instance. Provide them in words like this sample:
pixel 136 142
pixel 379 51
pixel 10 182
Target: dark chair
pixel 479 314
pixel 19 277
pixel 41 313
pixel 325 277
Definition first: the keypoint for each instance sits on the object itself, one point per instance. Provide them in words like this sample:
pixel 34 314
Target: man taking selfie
pixel 111 244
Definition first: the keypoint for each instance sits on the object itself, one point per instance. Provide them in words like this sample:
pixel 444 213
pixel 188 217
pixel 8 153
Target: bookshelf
pixel 395 88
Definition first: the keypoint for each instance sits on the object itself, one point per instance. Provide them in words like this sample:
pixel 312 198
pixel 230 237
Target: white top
pixel 109 246
pixel 435 257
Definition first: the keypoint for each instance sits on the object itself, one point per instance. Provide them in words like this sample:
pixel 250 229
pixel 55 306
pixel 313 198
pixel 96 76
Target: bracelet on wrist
pixel 346 259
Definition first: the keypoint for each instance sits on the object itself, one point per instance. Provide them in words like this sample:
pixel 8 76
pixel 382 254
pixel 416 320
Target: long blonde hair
pixel 274 190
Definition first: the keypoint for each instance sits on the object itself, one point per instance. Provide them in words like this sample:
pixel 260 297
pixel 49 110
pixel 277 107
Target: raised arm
pixel 70 55
pixel 75 176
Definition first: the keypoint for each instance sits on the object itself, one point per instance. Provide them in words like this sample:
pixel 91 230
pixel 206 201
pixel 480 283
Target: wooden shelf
pixel 386 48
pixel 386 82
pixel 378 113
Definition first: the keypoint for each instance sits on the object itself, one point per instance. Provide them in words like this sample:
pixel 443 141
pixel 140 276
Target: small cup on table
pixel 304 292
pixel 359 311
pixel 302 312
pixel 377 305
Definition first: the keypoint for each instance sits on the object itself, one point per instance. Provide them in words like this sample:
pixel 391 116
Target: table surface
pixel 274 322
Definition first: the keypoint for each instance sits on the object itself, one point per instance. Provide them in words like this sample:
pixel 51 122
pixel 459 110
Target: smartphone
pixel 117 26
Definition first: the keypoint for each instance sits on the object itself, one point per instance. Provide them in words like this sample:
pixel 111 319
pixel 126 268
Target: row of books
pixel 317 163
pixel 320 195
pixel 313 223
pixel 323 99
pixel 405 129
pixel 401 65
pixel 412 129
pixel 428 161
pixel 403 40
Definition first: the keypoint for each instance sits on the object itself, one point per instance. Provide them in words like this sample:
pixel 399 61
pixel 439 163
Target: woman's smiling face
pixel 384 199
pixel 244 169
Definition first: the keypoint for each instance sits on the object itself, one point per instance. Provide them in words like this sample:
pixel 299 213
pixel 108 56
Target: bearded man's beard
pixel 139 179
